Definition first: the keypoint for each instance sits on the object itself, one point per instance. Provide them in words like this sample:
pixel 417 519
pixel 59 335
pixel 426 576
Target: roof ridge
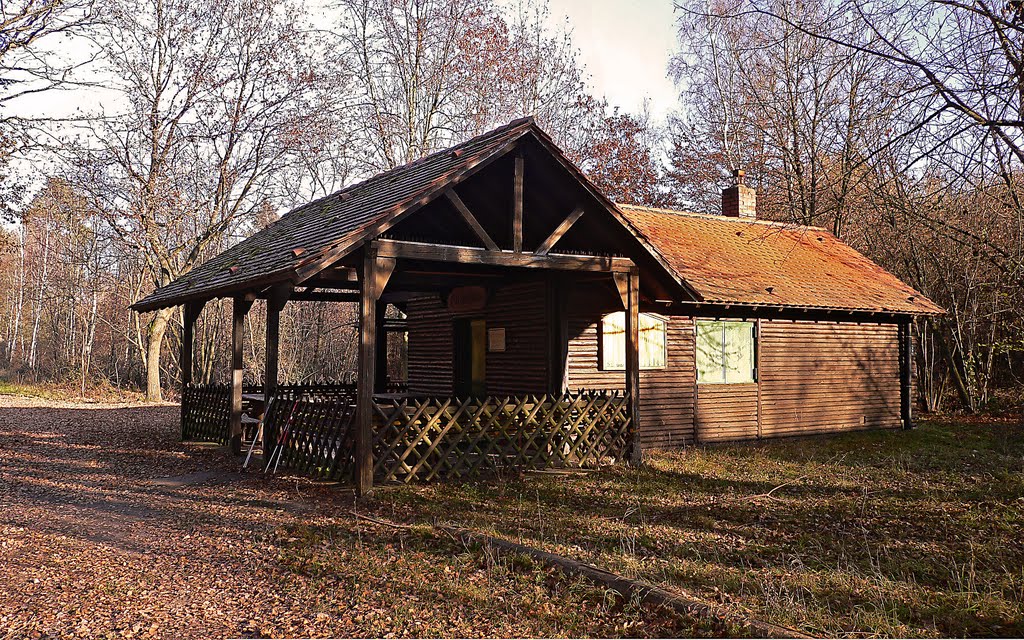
pixel 721 218
pixel 493 133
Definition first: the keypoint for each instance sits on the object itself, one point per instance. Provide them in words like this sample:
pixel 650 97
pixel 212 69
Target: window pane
pixel 739 352
pixel 613 341
pixel 652 342
pixel 709 351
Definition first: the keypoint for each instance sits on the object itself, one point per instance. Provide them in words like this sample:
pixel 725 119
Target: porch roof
pixel 761 263
pixel 313 235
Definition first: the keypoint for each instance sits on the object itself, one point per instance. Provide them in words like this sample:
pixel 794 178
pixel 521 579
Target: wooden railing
pixel 314 430
pixel 425 438
pixel 433 438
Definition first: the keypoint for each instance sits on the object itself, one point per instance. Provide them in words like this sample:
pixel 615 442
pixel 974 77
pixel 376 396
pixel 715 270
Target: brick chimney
pixel 739 200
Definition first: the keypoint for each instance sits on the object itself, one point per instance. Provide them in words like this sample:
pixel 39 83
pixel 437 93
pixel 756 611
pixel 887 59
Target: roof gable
pixel 753 262
pixel 313 235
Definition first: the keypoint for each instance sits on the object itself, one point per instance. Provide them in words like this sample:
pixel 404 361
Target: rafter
pixel 470 219
pixel 559 231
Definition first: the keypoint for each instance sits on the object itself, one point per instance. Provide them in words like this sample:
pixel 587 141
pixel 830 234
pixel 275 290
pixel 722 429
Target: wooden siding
pixel 521 369
pixel 813 377
pixel 520 309
pixel 431 339
pixel 726 412
pixel 666 395
pixel 819 377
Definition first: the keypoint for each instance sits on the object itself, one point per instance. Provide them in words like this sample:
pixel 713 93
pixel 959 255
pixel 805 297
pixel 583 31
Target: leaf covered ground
pixel 110 527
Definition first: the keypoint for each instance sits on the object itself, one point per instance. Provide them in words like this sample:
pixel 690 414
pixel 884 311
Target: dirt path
pixel 111 527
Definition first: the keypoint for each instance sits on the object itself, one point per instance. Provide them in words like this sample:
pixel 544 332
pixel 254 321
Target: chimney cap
pixel 738 175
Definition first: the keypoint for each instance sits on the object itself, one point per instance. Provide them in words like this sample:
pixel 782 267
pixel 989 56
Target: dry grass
pixel 881 533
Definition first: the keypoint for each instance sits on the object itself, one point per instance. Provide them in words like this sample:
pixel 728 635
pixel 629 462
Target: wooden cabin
pixel 547 325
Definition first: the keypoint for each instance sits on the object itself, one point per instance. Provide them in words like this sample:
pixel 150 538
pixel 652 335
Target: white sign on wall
pixel 496 340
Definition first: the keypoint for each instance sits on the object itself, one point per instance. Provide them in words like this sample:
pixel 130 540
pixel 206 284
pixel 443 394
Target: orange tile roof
pixel 755 262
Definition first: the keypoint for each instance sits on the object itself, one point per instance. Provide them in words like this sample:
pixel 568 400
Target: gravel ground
pixel 110 527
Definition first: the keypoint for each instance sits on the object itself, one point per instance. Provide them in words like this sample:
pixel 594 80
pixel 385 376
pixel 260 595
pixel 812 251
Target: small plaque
pixel 466 299
pixel 496 340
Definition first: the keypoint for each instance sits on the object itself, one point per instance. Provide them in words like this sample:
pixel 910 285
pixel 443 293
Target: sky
pixel 626 46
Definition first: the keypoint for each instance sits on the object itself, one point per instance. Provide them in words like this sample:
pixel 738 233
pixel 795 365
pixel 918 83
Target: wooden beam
pixel 470 219
pixel 338 274
pixel 276 300
pixel 559 231
pixel 633 362
pixel 517 205
pixel 906 360
pixel 376 273
pixel 188 322
pixel 326 296
pixel 473 255
pixel 241 306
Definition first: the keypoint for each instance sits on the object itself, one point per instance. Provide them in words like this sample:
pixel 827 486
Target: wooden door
pixel 470 357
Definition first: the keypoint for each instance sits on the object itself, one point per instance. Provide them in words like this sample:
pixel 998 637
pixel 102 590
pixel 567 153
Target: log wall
pixel 813 377
pixel 819 377
pixel 666 395
pixel 726 412
pixel 521 369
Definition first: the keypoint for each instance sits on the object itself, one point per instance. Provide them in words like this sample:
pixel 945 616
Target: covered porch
pixel 503 227
pixel 370 429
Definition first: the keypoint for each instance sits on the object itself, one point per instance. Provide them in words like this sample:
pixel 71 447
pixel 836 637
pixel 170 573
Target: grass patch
pixel 418 582
pixel 882 533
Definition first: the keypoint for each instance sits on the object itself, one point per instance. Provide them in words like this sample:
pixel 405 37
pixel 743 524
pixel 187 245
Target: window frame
pixel 754 350
pixel 662 322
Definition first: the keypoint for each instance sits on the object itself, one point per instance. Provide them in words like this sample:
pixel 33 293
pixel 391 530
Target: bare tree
pixel 795 112
pixel 217 99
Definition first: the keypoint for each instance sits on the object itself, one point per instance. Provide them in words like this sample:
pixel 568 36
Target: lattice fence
pixel 206 408
pixel 313 428
pixel 206 413
pixel 431 438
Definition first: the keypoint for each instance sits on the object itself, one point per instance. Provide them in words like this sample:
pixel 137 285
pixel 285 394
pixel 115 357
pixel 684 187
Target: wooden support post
pixel 189 317
pixel 240 307
pixel 376 272
pixel 276 301
pixel 906 338
pixel 517 205
pixel 628 285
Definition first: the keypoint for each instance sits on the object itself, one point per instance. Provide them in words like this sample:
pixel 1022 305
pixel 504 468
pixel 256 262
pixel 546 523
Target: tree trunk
pixel 155 340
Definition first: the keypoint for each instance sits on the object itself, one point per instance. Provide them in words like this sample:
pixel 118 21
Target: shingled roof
pixel 321 231
pixel 753 262
pixel 713 259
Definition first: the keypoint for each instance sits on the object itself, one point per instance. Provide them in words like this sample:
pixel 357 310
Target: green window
pixel 613 342
pixel 725 352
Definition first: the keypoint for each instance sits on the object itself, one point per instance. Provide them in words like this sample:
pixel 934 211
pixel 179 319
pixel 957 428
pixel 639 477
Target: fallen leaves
pixel 93 545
